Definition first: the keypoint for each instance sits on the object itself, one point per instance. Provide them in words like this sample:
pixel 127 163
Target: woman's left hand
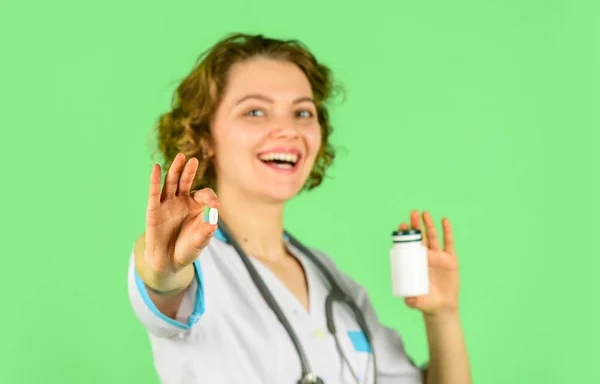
pixel 443 267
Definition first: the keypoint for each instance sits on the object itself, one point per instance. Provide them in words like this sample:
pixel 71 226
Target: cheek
pixel 238 140
pixel 313 139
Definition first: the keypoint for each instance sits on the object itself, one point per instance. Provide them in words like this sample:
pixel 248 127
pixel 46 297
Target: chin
pixel 279 183
pixel 280 193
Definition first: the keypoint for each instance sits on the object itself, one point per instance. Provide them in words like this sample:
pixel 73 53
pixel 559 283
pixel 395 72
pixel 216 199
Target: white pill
pixel 213 216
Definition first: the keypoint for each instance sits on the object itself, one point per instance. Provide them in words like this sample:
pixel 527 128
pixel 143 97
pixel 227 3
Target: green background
pixel 482 111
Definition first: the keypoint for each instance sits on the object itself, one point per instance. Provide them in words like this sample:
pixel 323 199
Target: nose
pixel 285 128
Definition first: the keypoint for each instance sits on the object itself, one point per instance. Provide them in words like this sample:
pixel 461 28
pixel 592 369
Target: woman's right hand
pixel 176 231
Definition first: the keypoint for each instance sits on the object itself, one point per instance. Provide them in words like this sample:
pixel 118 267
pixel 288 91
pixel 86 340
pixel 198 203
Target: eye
pixel 255 113
pixel 305 114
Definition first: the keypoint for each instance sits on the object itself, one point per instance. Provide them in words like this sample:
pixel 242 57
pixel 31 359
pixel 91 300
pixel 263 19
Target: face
pixel 266 132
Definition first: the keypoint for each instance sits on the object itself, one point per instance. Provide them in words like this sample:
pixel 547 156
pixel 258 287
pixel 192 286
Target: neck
pixel 257 225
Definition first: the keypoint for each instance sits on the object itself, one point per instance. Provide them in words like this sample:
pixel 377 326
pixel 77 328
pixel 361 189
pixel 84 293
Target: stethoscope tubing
pixel 336 294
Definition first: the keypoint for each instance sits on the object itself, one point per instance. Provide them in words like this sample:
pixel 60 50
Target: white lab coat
pixel 226 333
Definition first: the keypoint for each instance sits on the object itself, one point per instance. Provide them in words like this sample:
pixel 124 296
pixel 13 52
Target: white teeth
pixel 289 157
pixel 284 166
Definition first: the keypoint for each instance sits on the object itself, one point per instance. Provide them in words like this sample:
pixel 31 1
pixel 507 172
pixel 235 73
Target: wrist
pixel 164 283
pixel 441 316
pixel 168 284
pixel 162 292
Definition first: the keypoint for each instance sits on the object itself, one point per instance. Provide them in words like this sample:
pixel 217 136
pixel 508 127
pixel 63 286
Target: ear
pixel 207 149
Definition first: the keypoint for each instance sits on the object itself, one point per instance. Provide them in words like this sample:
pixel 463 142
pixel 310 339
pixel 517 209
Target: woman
pixel 248 131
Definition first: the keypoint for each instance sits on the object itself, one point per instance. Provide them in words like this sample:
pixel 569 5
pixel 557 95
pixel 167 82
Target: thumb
pixel 420 303
pixel 411 301
pixel 202 233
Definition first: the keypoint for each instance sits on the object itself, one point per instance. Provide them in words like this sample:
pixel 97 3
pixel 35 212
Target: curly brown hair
pixel 186 127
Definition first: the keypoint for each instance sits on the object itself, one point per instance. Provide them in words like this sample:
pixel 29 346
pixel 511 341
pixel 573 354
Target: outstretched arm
pixel 448 359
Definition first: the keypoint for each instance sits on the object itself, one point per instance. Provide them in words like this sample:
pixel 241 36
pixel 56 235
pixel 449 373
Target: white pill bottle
pixel 409 267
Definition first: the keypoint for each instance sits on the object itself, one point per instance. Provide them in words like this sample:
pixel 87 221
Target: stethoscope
pixel 336 294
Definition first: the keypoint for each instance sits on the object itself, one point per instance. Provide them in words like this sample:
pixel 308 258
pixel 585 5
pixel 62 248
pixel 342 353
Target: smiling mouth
pixel 285 161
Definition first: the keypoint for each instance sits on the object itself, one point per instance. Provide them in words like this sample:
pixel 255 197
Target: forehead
pixel 274 78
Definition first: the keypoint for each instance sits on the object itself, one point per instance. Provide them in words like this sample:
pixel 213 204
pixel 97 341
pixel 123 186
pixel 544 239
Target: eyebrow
pixel 269 100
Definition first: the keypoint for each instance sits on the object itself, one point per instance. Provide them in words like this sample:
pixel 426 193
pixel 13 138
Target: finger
pixel 432 235
pixel 207 197
pixel 423 303
pixel 410 301
pixel 187 177
pixel 415 222
pixel 403 227
pixel 448 237
pixel 154 190
pixel 203 232
pixel 172 179
pixel 415 302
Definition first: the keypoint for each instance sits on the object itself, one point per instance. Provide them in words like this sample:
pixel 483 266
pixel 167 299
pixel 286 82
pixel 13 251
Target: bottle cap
pixel 407 236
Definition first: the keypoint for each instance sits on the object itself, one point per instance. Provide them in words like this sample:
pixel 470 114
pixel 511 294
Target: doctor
pixel 248 131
